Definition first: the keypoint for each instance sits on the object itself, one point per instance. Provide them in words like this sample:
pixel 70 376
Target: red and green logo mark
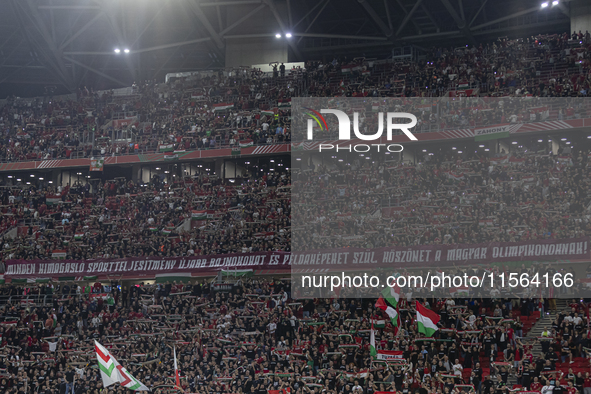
pixel 318 118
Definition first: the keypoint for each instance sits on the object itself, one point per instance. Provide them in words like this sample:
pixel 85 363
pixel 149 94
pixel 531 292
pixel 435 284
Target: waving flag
pixel 223 106
pixel 106 365
pixel 113 372
pixel 176 371
pixel 372 344
pixel 382 354
pixel 426 320
pixel 245 143
pixel 392 295
pixel 391 312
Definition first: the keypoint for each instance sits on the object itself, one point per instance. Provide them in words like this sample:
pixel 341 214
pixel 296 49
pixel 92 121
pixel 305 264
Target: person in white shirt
pixel 577 319
pixel 457 368
pixel 272 327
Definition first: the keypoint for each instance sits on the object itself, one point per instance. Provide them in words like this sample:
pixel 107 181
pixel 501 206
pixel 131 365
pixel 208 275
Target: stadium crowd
pixel 121 218
pixel 255 339
pixel 449 198
pixel 248 106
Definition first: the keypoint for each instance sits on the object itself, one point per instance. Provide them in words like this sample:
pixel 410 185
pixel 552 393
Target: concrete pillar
pixel 408 156
pixel 580 16
pixel 555 146
pixel 503 146
pixel 136 173
pixel 219 168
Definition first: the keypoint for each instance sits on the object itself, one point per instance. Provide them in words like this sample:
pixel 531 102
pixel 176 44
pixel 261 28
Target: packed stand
pixel 254 339
pixel 245 107
pixel 448 197
pixel 120 218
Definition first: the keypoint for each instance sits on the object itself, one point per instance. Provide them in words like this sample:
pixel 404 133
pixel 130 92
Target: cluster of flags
pixel 112 372
pixel 426 321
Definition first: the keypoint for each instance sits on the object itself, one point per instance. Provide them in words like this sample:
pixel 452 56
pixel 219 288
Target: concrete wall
pixel 580 19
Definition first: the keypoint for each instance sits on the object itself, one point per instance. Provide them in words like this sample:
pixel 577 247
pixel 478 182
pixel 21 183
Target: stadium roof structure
pixel 66 44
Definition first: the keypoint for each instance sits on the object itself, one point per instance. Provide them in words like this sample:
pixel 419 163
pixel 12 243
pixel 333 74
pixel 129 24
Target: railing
pixel 28 300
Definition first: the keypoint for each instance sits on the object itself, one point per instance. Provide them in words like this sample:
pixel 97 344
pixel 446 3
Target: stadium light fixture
pixel 277 35
pixel 454 148
pixel 126 50
pixel 589 137
pixel 32 176
pixel 28 183
pixel 514 142
pixel 481 146
pixel 18 179
pixel 287 35
pixel 10 176
pixel 41 179
pixel 563 139
pixel 540 140
pixel 117 50
pixel 487 150
pixel 555 2
pixel 545 4
pixel 460 151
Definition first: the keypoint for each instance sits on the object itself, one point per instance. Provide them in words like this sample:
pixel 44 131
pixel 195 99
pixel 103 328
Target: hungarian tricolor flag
pixel 166 148
pixel 113 372
pixel 378 323
pixel 392 295
pixel 391 312
pixel 245 143
pixel 372 343
pixel 176 371
pixel 426 320
pixel 53 199
pixel 200 215
pixel 58 254
pixel 223 106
